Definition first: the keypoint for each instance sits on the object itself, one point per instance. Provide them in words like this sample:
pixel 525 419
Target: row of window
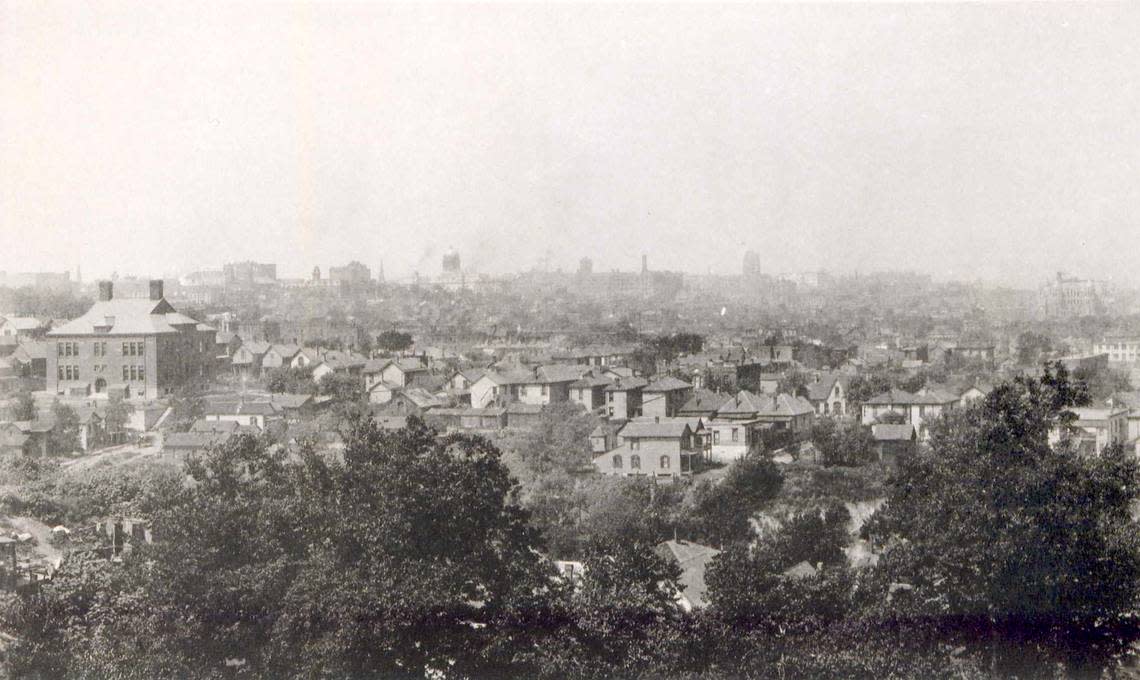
pixel 68 372
pixel 635 462
pixel 134 373
pixel 99 349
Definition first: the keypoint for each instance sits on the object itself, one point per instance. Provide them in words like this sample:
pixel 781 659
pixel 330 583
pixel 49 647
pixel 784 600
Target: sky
pixel 996 142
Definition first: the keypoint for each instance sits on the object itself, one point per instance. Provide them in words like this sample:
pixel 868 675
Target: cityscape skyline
pixel 305 138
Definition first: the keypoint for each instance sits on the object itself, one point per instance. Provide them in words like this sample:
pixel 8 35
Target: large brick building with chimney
pixel 136 347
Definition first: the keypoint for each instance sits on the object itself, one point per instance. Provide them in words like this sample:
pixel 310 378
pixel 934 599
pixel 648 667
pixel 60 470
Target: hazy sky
pixel 971 141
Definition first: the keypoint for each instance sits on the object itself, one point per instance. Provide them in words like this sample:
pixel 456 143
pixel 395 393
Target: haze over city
pixel 968 142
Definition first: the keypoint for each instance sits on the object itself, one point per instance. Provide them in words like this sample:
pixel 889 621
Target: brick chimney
pixel 156 289
pixel 106 290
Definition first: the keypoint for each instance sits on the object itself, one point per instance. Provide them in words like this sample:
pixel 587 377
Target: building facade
pixel 136 347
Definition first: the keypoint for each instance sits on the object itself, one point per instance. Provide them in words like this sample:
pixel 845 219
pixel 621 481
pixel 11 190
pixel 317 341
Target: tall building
pixel 353 273
pixel 135 347
pixel 751 264
pixel 1068 296
pixel 451 263
pixel 250 272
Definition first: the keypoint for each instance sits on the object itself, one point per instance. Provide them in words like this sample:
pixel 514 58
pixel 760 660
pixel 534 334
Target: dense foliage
pixel 412 554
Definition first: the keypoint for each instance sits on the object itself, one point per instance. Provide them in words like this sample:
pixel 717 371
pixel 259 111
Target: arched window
pixel 617 462
pixel 635 462
pixel 664 462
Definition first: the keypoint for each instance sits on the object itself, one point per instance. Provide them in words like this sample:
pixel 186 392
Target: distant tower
pixel 751 264
pixel 451 263
pixel 380 276
pixel 316 273
pixel 585 266
pixel 644 263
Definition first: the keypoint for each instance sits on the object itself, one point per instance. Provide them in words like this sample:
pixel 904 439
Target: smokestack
pixel 156 289
pixel 106 290
pixel 644 263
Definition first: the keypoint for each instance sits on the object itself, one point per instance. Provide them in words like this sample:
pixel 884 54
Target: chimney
pixel 106 290
pixel 156 289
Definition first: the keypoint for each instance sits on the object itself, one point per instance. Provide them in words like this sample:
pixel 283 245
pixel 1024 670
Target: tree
pixel 295 380
pixel 64 434
pixel 1020 544
pixel 847 444
pixel 560 439
pixel 118 412
pixel 259 561
pixel 720 513
pixel 186 407
pixel 340 386
pixel 24 406
pixel 393 341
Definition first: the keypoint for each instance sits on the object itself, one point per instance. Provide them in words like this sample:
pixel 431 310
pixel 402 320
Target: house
pixel 413 400
pixel 664 397
pixel 256 413
pixel 768 383
pixel 917 409
pixel 604 437
pixel 185 443
pixel 401 372
pixel 827 394
pixel 136 347
pixel 1131 402
pixel 18 329
pixel 295 407
pixel 748 420
pixel 308 356
pixel 381 392
pixel 623 397
pixel 336 362
pixel 661 448
pixel 702 404
pixel 693 559
pixel 278 356
pixel 14 442
pixel 1095 428
pixel 30 359
pixel 538 386
pixel 894 441
pixel 36 433
pixel 589 391
pixel 973 393
pixel 247 359
pixel 491 418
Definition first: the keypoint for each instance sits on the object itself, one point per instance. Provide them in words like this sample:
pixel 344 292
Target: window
pixel 142 349
pixel 134 372
pixel 735 435
pixel 59 372
pixel 126 372
pixel 635 444
pixel 610 397
pixel 617 462
pixel 716 436
pixel 664 462
pixel 635 462
pixel 126 349
pixel 545 390
pixel 142 372
pixel 95 348
pixel 67 372
pixel 59 348
pixel 76 372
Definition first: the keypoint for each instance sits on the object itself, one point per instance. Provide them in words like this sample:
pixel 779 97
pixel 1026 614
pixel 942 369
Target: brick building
pixel 137 347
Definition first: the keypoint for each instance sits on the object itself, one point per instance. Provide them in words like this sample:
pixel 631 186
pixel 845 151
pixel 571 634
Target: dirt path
pixel 42 533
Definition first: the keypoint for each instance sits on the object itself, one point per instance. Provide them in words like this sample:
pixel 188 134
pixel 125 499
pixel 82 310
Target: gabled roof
pixel 663 428
pixel 286 352
pixel 590 381
pixel 692 558
pixel 820 390
pixel 743 403
pixel 667 384
pixel 289 400
pixel 405 364
pixel 27 351
pixel 256 348
pixel 128 316
pixel 422 398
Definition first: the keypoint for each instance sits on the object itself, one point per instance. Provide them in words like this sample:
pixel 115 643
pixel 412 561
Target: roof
pixel 256 348
pixel 889 432
pixel 495 411
pixel 661 428
pixel 667 384
pixel 241 408
pixel 389 422
pixel 626 384
pixel 590 380
pixel 820 390
pixel 290 401
pixel 129 316
pixel 193 440
pixel 405 364
pixel 704 401
pixel 748 404
pixel 422 398
pixel 520 409
pixel 226 426
pixel 24 323
pixel 693 559
pixel 286 351
pixel 27 351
